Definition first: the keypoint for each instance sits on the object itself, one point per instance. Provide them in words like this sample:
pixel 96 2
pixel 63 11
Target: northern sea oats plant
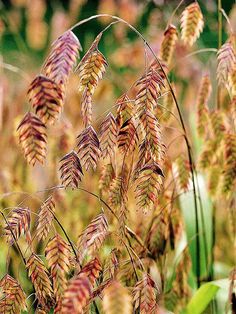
pixel 132 256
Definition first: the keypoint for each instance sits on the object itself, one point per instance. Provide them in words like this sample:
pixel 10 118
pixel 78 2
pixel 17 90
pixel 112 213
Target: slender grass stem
pixel 15 240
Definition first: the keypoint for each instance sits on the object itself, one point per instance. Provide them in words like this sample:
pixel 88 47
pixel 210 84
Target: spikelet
pixel 88 148
pixel 191 23
pixel 127 137
pixel 39 310
pixel 108 136
pixel 148 184
pixel 229 168
pixel 33 138
pixel 57 254
pixel 122 221
pixel 116 299
pixel 226 61
pixel 207 153
pixel 145 295
pixel 92 270
pixel 217 124
pixel 107 175
pixel 202 109
pixel 76 295
pixel 168 104
pixel 40 279
pixel 62 59
pixel 45 218
pixel 144 156
pixel 214 179
pixel 168 44
pixel 159 234
pixel 111 265
pixel 149 88
pixel 125 109
pixel 71 170
pixel 45 97
pixel 183 172
pixel 90 70
pixel 93 236
pixel 18 223
pixel 153 134
pixel 13 298
pixel 117 192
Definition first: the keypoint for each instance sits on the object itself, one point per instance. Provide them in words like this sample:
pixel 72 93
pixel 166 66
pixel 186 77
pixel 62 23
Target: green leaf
pixel 188 211
pixel 204 295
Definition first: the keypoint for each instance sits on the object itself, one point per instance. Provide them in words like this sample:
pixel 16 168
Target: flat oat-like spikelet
pixel 40 279
pixel 92 270
pixel 229 169
pixel 153 134
pixel 159 234
pixel 90 70
pixel 148 184
pixel 207 154
pixel 183 173
pixel 108 136
pixel 167 109
pixel 145 296
pixel 45 97
pixel 117 192
pixel 45 218
pixel 202 109
pixel 57 254
pixel 71 170
pixel 88 148
pixel 144 156
pixel 116 299
pixel 33 138
pixel 111 265
pixel 149 86
pixel 217 125
pixel 93 236
pixel 125 108
pixel 226 62
pixel 191 23
pixel 18 223
pixel 77 295
pixel 168 44
pixel 107 175
pixel 127 137
pixel 13 298
pixel 62 58
pixel 214 176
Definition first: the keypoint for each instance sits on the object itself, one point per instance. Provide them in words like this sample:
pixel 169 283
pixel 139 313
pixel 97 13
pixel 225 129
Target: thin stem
pixel 227 19
pixel 15 240
pixel 174 12
pixel 65 233
pixel 101 200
